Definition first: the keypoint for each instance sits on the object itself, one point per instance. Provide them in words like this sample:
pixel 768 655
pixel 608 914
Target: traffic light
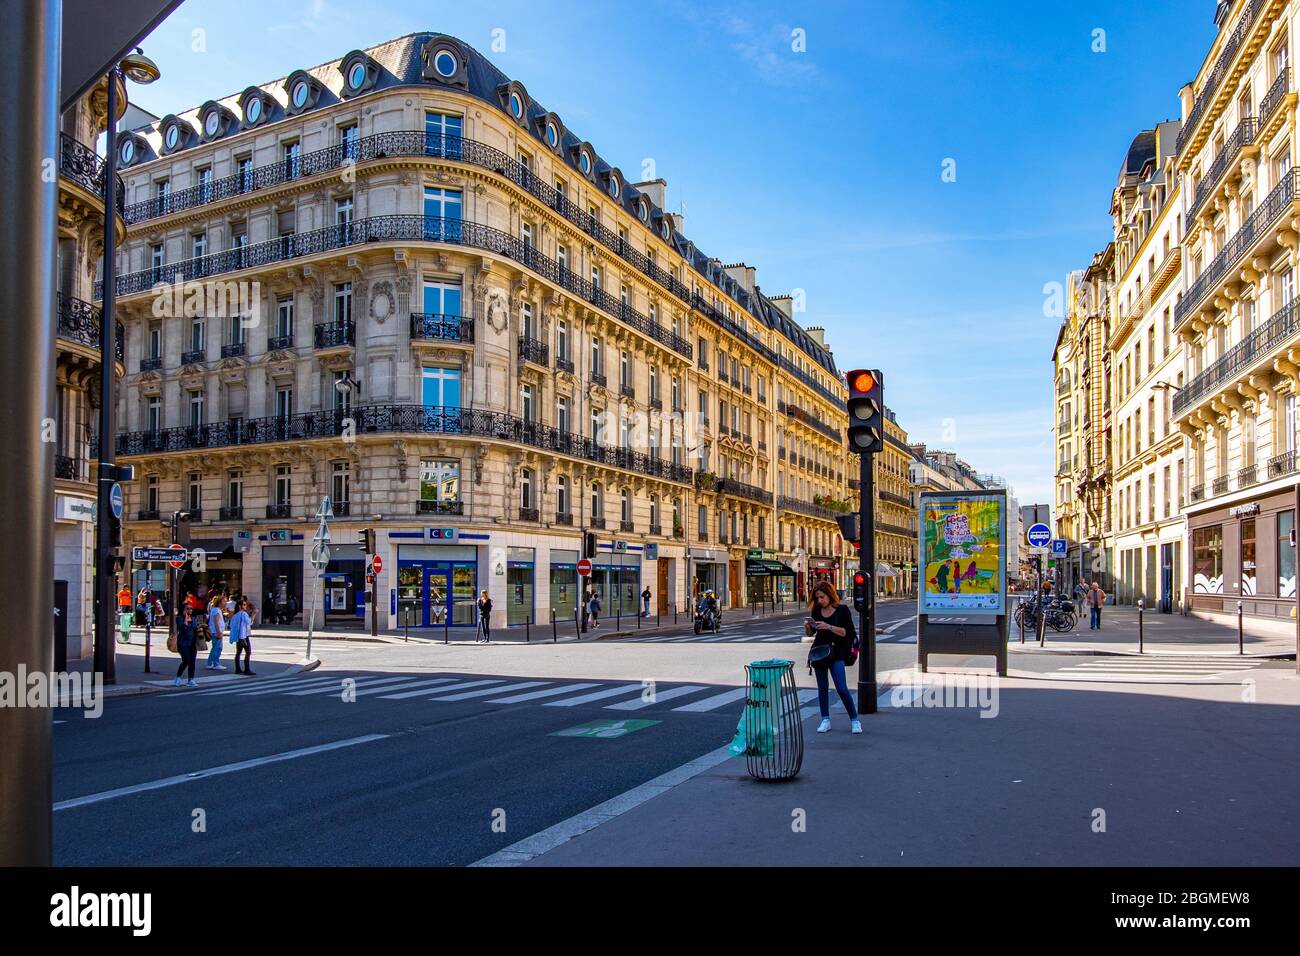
pixel 589 544
pixel 368 540
pixel 866 408
pixel 850 527
pixel 113 564
pixel 859 591
pixel 181 527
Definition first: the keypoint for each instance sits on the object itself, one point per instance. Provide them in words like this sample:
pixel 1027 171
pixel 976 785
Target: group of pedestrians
pixel 224 616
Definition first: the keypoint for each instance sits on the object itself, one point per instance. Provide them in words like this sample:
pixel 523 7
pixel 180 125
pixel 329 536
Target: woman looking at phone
pixel 830 622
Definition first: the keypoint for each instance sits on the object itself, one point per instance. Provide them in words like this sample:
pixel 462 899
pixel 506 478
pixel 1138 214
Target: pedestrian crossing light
pixel 866 409
pixel 859 592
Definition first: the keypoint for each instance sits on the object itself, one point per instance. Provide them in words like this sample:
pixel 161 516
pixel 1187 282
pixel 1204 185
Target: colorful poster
pixel 964 549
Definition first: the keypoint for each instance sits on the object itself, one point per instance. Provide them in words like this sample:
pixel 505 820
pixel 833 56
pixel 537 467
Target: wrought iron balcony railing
pixel 279 510
pixel 70 468
pixel 1210 88
pixel 277 342
pixel 433 506
pixel 626 526
pixel 193 357
pixel 534 350
pixel 529 514
pixel 627 390
pixel 1241 137
pixel 1283 464
pixel 1220 486
pixel 597 521
pixel 598 378
pixel 433 326
pixel 564 364
pixel 332 335
pixel 392 419
pixel 805 508
pixel 79 163
pixel 78 321
pixel 739 489
pixel 233 349
pixel 1260 344
pixel 564 518
pixel 1273 98
pixel 151 363
pixel 232 513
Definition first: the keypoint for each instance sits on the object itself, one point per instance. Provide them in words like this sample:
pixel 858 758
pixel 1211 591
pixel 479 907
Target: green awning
pixel 754 566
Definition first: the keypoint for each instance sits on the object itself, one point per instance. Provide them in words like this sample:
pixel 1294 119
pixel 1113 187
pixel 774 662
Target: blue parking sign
pixel 1058 547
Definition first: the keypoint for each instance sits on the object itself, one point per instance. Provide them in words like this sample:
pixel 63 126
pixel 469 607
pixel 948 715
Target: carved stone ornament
pixel 498 311
pixel 382 302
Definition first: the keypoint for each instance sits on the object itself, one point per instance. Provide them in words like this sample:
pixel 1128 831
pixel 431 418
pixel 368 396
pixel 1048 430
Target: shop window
pixel 1207 560
pixel 1285 554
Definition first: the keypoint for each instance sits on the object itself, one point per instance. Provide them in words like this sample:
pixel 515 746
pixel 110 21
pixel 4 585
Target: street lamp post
pixel 139 69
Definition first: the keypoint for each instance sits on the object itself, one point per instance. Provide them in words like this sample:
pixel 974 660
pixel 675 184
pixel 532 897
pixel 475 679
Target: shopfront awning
pixel 884 570
pixel 755 566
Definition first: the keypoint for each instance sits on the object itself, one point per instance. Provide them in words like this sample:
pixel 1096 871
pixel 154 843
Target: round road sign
pixel 377 564
pixel 115 500
pixel 1039 535
pixel 584 567
pixel 181 554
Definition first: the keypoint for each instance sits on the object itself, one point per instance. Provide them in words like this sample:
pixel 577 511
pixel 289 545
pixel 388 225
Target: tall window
pixel 1207 560
pixel 597 360
pixel 1248 557
pixel 234 489
pixel 343 304
pixel 597 502
pixel 194 497
pixel 292 160
pixel 1285 555
pixel 283 402
pixel 442 298
pixel 343 209
pixel 526 489
pixel 153 415
pixel 283 484
pixel 284 318
pixel 526 320
pixel 562 422
pixel 350 140
pixel 625 505
pixel 442 214
pixel 562 495
pixel 341 482
pixel 526 403
pixel 439 482
pixel 562 338
pixel 624 369
pixel 654 511
pixel 442 134
pixel 196 409
pixel 440 386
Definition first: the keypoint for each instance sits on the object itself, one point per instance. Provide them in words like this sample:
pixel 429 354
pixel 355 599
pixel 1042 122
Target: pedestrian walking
pixel 216 630
pixel 593 609
pixel 586 607
pixel 645 602
pixel 1096 598
pixel 831 623
pixel 241 629
pixel 187 645
pixel 484 619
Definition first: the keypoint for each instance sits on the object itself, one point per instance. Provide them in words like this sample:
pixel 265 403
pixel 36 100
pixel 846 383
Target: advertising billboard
pixel 963 553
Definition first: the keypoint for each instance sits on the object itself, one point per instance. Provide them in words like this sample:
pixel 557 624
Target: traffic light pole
pixel 867 564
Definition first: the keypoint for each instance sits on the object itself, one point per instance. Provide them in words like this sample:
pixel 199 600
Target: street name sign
pixel 145 555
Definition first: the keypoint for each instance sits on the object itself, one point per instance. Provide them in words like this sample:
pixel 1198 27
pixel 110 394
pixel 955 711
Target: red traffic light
pixel 859 578
pixel 862 381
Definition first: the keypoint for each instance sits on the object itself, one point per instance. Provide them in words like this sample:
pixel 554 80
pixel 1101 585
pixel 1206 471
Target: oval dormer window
pixel 213 123
pixel 253 111
pixel 613 186
pixel 445 63
pixel 643 210
pixel 357 76
pixel 666 230
pixel 516 106
pixel 552 135
pixel 173 136
pixel 127 153
pixel 584 161
pixel 300 93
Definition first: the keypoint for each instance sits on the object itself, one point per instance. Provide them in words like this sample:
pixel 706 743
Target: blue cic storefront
pixel 437 577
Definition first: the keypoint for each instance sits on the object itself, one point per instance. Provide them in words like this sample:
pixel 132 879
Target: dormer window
pixel 359 73
pixel 516 106
pixel 614 186
pixel 643 209
pixel 301 91
pixel 304 90
pixel 445 63
pixel 584 162
pixel 175 134
pixel 552 135
pixel 256 106
pixel 214 120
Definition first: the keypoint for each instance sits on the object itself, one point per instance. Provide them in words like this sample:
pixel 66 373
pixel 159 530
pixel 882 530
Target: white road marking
pixel 897 624
pixel 213 772
pixel 492 690
pixel 717 700
pixel 460 685
pixel 426 683
pixel 242 686
pixel 660 695
pixel 270 688
pixel 596 695
pixel 534 695
pixel 357 685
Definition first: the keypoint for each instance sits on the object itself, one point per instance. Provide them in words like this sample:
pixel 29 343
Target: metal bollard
pixel 446 628
pixel 674 612
pixel 528 629
pixel 1141 609
pixel 1022 620
pixel 638 622
pixel 618 615
pixel 1241 634
pixel 554 634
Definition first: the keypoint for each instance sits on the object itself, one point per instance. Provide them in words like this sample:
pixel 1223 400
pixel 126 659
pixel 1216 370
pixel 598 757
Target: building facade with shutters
pixel 398 281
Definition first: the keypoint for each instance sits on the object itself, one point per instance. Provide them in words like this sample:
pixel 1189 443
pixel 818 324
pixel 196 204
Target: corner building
pixel 397 280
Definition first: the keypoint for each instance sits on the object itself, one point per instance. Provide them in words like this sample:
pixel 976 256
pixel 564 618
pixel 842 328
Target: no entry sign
pixel 179 555
pixel 584 567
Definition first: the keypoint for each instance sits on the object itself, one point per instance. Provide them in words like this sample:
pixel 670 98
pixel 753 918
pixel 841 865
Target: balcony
pixel 703 365
pixel 233 350
pixel 564 364
pixel 148 514
pixel 193 357
pixel 805 508
pixel 627 526
pixel 896 499
pixel 739 489
pixel 280 510
pixel 232 513
pixel 1220 486
pixel 1273 99
pixel 1262 344
pixel 529 514
pixel 342 509
pixel 1248 476
pixel 277 343
pixel 81 164
pixel 436 327
pixel 805 418
pixel 151 364
pixel 335 335
pixel 1222 67
pixel 656 530
pixel 431 506
pixel 1283 464
pixel 69 468
pixel 564 518
pixel 598 378
pixel 535 351
pixel 78 321
pixel 627 390
pixel 656 403
pixel 1243 136
pixel 1256 228
pixel 597 521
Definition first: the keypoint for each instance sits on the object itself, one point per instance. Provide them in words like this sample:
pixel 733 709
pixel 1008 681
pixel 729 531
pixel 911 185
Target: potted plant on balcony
pixel 705 480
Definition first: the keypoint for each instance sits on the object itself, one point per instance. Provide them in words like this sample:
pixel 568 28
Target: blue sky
pixel 822 168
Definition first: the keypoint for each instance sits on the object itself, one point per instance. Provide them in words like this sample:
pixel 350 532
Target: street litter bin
pixel 124 620
pixel 770 732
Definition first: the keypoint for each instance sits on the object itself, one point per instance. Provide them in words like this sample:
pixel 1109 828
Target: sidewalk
pixel 1162 634
pixel 132 680
pixel 931 785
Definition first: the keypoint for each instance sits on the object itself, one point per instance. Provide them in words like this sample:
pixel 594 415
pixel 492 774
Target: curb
pixel 154 687
pixel 1103 652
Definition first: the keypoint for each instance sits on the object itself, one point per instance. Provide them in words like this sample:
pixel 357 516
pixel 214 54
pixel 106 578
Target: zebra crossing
pixel 1155 670
pixel 449 688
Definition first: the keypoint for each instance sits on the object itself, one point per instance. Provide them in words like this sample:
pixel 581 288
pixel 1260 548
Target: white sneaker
pixel 220 667
pixel 857 726
pixel 824 726
pixel 191 683
pixel 178 682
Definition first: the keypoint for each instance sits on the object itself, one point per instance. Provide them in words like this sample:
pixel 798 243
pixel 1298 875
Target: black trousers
pixel 246 647
pixel 188 654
